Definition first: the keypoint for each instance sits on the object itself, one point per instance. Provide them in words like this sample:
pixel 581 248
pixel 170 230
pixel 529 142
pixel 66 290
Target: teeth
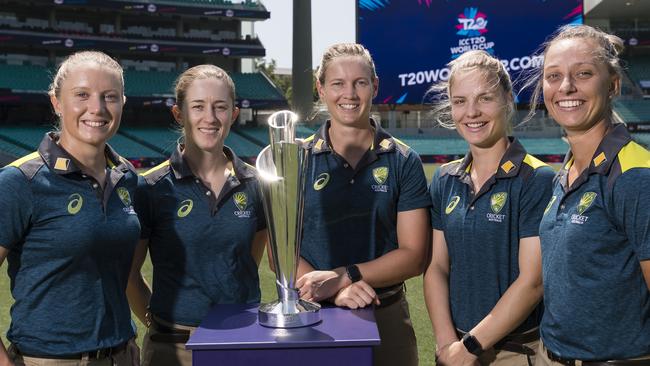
pixel 348 106
pixel 475 124
pixel 94 123
pixel 569 103
pixel 209 130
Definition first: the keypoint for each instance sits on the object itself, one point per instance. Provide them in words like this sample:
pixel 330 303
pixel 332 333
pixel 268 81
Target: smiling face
pixel 479 108
pixel 577 86
pixel 348 90
pixel 89 104
pixel 207 114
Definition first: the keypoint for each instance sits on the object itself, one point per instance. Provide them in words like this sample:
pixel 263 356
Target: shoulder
pixel 155 174
pixel 633 156
pixel 533 168
pixel 448 168
pixel 28 165
pixel 401 147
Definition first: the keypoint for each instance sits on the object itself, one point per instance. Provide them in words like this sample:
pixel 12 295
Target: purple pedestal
pixel 230 335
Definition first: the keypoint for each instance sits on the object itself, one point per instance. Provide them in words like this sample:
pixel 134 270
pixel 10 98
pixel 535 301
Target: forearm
pixel 303 267
pixel 393 267
pixel 436 296
pixel 4 356
pixel 139 295
pixel 512 309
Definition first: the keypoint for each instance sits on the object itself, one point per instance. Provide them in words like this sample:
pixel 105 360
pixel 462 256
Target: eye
pixel 337 83
pixel 552 76
pixel 486 98
pixel 584 74
pixel 221 107
pixel 111 98
pixel 458 101
pixel 362 83
pixel 82 94
pixel 197 107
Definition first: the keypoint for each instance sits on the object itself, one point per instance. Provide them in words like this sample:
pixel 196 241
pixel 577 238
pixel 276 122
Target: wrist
pixel 472 344
pixel 353 273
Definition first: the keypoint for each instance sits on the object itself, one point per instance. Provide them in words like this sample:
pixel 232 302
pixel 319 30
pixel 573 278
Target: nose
pixel 96 104
pixel 211 115
pixel 567 85
pixel 473 109
pixel 350 91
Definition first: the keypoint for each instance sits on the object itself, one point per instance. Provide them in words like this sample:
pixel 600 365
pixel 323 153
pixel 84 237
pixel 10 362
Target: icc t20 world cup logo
pixel 472 23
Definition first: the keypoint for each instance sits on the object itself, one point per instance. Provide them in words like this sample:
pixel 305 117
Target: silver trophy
pixel 282 167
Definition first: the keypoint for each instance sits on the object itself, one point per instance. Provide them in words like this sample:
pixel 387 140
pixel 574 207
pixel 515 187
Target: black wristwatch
pixel 472 344
pixel 353 273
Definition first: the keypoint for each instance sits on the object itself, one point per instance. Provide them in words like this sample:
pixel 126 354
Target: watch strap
pixel 353 273
pixel 472 344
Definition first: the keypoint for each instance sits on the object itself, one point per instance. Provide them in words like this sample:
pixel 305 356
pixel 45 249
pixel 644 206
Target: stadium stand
pixel 633 111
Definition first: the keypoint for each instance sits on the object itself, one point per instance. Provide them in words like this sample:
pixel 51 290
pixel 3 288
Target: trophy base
pixel 298 313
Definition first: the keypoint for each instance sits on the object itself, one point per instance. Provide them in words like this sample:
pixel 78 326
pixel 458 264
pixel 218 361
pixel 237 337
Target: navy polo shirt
pixel 350 215
pixel 482 229
pixel 594 234
pixel 200 245
pixel 70 250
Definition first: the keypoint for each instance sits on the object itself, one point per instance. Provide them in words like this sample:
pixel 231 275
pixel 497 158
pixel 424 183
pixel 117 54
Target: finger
pixel 367 288
pixel 359 300
pixel 351 303
pixel 367 299
pixel 301 281
pixel 369 291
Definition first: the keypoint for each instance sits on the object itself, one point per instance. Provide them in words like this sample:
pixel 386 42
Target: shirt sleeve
pixel 16 207
pixel 435 195
pixel 143 207
pixel 413 185
pixel 536 193
pixel 630 199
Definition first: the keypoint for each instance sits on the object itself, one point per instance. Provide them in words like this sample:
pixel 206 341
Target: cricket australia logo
pixel 586 201
pixel 241 201
pixel 452 204
pixel 497 202
pixel 380 175
pixel 125 197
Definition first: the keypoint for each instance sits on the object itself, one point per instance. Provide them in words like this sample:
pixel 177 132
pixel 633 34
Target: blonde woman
pixel 366 207
pixel 69 228
pixel 483 284
pixel 596 230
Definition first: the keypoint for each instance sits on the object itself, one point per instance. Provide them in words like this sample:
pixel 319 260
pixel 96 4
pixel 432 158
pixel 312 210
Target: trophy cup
pixel 282 167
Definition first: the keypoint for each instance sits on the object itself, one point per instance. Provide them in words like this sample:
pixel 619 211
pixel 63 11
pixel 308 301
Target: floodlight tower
pixel 302 79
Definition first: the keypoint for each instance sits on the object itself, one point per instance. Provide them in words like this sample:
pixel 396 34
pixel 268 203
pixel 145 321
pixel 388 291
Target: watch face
pixel 473 346
pixel 353 273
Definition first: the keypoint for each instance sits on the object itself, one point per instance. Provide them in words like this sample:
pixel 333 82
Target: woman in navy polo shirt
pixel 365 221
pixel 595 232
pixel 483 284
pixel 69 229
pixel 202 221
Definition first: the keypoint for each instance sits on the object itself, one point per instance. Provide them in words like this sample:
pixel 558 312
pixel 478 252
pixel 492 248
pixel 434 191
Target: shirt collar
pixel 181 168
pixel 383 142
pixel 508 166
pixel 615 139
pixel 61 162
